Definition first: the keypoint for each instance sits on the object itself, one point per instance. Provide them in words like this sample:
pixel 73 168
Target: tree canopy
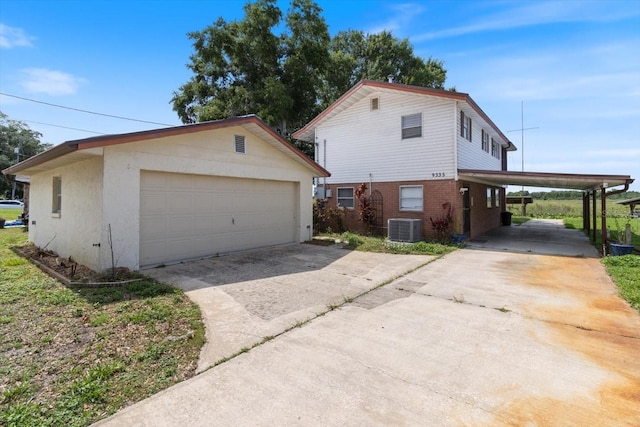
pixel 244 67
pixel 16 135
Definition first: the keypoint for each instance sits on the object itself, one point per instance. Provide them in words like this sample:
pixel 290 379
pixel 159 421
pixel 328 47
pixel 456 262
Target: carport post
pixel 603 215
pixel 595 218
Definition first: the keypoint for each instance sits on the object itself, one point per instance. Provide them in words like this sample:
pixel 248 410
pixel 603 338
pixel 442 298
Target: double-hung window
pixel 412 126
pixel 465 126
pixel 345 197
pixel 490 202
pixel 495 149
pixel 411 198
pixel 485 141
pixel 56 201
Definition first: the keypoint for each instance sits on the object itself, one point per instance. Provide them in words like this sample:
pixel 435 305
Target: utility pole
pixel 522 129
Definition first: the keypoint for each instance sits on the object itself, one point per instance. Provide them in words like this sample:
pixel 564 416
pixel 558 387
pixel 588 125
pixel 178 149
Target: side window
pixel 412 126
pixel 411 198
pixel 489 197
pixel 485 141
pixel 465 126
pixel 56 202
pixel 496 197
pixel 345 197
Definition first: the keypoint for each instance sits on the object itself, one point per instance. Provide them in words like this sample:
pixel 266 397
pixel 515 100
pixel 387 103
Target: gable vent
pixel 405 230
pixel 239 144
pixel 375 104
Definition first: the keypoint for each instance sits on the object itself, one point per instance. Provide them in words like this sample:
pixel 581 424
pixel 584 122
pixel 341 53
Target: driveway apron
pixel 485 336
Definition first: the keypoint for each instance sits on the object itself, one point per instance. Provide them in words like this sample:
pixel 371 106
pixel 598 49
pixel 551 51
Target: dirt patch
pixel 69 271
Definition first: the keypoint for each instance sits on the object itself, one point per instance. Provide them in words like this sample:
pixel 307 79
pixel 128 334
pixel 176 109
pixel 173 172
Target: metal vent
pixel 239 144
pixel 405 230
pixel 375 104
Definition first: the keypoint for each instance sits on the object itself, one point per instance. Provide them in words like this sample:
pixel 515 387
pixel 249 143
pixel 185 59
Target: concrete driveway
pixel 484 336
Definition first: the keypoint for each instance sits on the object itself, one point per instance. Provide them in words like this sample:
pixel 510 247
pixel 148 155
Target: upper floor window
pixel 495 149
pixel 239 144
pixel 56 202
pixel 485 141
pixel 412 126
pixel 345 197
pixel 465 126
pixel 411 198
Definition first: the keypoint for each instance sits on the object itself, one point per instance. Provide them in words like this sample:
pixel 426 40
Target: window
pixel 375 104
pixel 239 144
pixel 465 126
pixel 489 197
pixel 496 197
pixel 495 149
pixel 412 126
pixel 485 141
pixel 345 197
pixel 56 205
pixel 411 198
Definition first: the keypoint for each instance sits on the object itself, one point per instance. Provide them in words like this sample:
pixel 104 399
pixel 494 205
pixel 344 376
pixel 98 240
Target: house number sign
pixel 437 175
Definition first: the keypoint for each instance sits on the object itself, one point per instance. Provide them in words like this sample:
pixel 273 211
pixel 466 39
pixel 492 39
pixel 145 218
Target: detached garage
pixel 169 195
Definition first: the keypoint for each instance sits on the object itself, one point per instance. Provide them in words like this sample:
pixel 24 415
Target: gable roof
pixel 364 88
pixel 81 149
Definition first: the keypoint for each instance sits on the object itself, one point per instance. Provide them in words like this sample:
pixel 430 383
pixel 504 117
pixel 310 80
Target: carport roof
pixel 544 179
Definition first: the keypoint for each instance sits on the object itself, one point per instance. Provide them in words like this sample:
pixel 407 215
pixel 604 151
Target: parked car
pixel 11 204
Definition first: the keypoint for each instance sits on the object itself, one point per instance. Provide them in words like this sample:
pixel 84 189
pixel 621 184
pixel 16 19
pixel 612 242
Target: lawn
pixel 624 270
pixel 364 243
pixel 72 356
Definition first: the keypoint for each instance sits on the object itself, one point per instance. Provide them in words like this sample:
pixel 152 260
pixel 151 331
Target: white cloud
pixel 11 37
pixel 52 82
pixel 401 16
pixel 526 14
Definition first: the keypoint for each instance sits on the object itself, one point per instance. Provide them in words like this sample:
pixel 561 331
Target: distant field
pixel 10 214
pixel 565 209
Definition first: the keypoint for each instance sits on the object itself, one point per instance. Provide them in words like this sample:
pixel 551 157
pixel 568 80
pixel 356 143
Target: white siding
pixel 360 141
pixel 470 153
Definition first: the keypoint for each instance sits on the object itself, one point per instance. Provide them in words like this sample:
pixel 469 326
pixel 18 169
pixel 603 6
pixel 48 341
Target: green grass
pixel 625 272
pixel 558 209
pixel 10 214
pixel 71 356
pixel 517 220
pixel 364 243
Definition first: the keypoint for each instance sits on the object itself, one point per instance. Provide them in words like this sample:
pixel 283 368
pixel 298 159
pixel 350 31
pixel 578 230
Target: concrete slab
pixel 483 337
pixel 247 297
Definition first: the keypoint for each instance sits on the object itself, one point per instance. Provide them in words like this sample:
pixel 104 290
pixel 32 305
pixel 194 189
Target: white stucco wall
pixel 77 228
pixel 205 153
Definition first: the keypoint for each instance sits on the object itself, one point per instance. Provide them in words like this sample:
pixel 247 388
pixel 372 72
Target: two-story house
pixel 408 144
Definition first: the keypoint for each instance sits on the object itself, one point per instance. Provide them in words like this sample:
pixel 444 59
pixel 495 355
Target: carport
pixel 590 185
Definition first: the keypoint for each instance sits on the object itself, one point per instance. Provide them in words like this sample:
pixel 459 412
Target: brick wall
pixel 435 194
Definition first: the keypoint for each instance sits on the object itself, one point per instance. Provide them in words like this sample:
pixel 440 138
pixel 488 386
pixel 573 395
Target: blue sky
pixel 574 64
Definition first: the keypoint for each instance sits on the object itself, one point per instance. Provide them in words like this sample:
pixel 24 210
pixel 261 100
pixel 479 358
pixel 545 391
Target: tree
pixel 356 56
pixel 16 135
pixel 242 67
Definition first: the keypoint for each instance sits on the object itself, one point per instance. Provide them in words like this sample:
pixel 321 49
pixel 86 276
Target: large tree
pixel 17 141
pixel 356 56
pixel 243 67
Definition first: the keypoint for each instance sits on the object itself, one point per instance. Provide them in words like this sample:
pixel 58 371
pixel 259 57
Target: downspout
pixel 603 196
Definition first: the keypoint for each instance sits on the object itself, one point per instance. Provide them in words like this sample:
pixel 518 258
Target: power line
pixel 63 127
pixel 84 111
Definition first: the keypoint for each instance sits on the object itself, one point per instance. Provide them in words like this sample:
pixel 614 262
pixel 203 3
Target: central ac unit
pixel 405 230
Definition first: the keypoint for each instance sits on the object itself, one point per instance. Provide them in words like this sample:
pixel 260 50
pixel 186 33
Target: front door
pixel 466 207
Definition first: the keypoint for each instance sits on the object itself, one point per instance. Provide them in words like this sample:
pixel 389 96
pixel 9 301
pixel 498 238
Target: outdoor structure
pixel 408 144
pixel 161 196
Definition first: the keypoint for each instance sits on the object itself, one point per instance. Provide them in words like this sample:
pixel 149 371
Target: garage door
pixel 186 216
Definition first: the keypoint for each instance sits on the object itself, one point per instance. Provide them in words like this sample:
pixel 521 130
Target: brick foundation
pixel 435 194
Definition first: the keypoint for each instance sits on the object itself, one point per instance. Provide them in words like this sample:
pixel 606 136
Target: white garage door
pixel 191 216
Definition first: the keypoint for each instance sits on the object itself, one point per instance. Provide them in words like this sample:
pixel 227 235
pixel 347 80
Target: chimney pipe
pixel 390 78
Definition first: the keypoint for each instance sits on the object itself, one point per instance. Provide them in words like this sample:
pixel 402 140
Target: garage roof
pixel 544 179
pixel 77 150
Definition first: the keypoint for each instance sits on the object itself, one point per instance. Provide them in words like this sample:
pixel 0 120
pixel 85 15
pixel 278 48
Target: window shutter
pixel 470 128
pixel 461 123
pixel 239 144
